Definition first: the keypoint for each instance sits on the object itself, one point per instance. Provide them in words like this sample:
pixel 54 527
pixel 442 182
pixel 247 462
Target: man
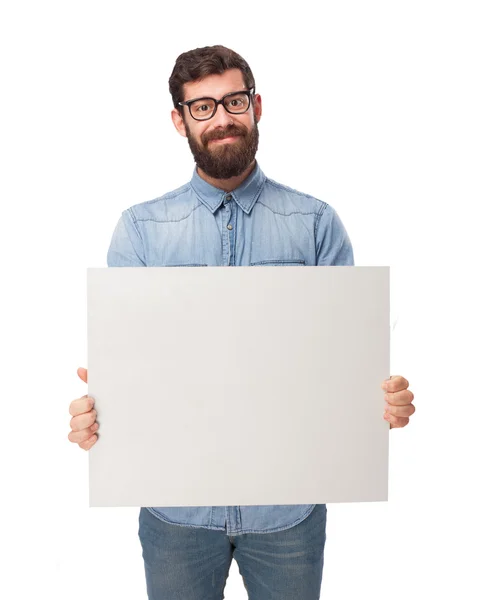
pixel 229 214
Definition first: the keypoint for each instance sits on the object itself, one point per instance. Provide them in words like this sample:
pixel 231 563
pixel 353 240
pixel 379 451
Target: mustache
pixel 230 132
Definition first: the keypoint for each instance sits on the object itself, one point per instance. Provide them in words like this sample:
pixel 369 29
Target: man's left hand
pixel 398 399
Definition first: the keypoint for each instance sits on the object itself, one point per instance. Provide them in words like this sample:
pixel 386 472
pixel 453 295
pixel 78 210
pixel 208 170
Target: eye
pixel 202 107
pixel 236 102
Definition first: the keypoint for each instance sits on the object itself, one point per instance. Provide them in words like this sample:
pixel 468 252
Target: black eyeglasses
pixel 236 103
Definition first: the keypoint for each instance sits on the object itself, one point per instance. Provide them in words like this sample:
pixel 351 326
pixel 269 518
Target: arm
pixel 333 246
pixel 126 246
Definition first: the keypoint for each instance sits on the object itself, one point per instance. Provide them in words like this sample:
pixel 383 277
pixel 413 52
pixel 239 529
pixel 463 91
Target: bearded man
pixel 229 214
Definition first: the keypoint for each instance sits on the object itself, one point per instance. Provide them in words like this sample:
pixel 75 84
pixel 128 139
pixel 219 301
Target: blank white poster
pixel 238 386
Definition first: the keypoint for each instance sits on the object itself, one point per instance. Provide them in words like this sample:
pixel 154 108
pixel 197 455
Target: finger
pixel 77 437
pixel 89 443
pixel 83 421
pixel 83 374
pixel 399 398
pixel 401 411
pixel 401 422
pixel 81 405
pixel 396 421
pixel 395 383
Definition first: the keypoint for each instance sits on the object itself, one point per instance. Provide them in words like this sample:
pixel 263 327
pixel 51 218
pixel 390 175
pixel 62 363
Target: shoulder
pixel 173 205
pixel 283 197
pixel 287 200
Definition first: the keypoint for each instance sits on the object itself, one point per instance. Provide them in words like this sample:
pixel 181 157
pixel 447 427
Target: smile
pixel 225 140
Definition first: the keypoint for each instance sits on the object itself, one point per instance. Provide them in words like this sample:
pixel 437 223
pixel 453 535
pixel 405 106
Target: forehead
pixel 215 86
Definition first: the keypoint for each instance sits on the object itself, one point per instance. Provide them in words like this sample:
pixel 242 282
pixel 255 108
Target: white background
pixel 370 106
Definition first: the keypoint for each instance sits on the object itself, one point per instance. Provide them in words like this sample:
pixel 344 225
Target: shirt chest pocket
pixel 279 262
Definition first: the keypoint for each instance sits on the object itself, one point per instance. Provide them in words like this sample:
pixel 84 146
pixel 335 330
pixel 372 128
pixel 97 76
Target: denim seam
pixel 298 261
pixel 239 520
pixel 199 205
pixel 232 533
pixel 295 212
pixel 211 516
pixel 131 214
pixel 162 518
pixel 318 216
pixel 298 520
pixel 234 219
pixel 288 189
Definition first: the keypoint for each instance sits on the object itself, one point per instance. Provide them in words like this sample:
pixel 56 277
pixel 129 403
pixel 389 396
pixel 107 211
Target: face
pixel 225 145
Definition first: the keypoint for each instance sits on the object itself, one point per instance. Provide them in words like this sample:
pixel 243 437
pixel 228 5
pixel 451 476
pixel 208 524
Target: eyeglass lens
pixel 236 104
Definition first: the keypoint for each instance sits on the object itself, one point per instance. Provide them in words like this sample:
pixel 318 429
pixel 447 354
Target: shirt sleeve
pixel 126 246
pixel 333 246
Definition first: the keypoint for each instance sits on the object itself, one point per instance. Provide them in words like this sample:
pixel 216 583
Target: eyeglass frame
pixel 250 92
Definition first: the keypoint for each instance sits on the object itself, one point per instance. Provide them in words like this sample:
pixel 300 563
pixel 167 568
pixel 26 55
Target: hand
pixel 398 400
pixel 83 423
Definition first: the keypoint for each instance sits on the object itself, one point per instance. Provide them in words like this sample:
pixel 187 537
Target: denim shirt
pixel 261 222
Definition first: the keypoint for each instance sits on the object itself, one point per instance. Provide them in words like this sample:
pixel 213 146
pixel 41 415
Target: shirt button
pixel 229 226
pixel 228 198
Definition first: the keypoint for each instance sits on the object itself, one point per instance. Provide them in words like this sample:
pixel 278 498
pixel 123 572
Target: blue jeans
pixel 192 563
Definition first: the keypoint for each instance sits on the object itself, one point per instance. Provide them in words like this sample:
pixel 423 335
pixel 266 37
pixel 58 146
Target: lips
pixel 229 138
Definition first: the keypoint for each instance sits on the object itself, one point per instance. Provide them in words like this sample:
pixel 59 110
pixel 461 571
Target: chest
pixel 231 237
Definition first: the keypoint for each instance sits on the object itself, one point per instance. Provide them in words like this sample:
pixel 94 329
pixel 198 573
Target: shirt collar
pixel 245 194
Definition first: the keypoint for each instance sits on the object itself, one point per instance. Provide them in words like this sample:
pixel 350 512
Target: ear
pixel 178 122
pixel 257 106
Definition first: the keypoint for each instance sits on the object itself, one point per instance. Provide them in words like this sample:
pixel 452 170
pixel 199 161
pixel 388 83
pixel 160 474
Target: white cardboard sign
pixel 238 386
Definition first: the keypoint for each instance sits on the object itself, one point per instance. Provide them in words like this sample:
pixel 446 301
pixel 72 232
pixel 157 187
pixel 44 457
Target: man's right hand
pixel 83 422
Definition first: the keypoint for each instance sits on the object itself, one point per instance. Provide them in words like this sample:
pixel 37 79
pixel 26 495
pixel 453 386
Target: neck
pixel 227 185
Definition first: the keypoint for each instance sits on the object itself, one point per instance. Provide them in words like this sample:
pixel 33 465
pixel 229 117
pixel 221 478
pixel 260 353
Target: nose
pixel 222 117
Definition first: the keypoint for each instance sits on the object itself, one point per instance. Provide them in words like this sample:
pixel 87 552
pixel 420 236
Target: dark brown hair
pixel 197 64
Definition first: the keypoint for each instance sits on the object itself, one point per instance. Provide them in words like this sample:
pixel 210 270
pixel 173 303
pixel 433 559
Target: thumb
pixel 83 374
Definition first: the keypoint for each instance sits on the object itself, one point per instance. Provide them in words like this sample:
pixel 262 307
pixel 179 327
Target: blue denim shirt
pixel 261 222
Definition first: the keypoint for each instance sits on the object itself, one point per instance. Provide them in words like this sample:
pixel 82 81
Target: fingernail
pixel 384 385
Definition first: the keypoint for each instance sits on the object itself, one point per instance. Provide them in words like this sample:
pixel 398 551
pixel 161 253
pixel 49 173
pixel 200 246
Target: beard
pixel 222 161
